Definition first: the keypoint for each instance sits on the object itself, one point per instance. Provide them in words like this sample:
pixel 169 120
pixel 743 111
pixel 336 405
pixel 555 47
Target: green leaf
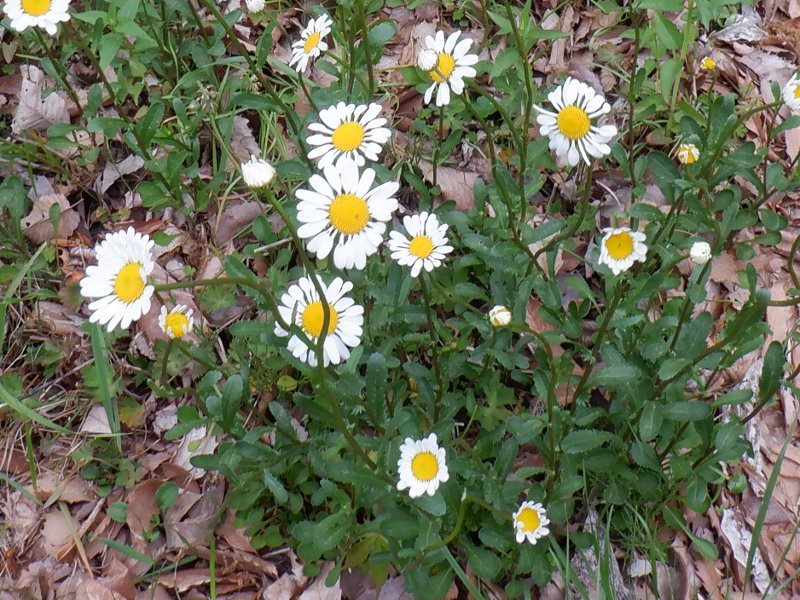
pixel 376 381
pixel 167 494
pixel 231 398
pixel 651 420
pixel 583 440
pixel 644 455
pixel 672 366
pixel 693 338
pixel 668 34
pixel 276 487
pixel 690 410
pixel 378 36
pixel 772 372
pixel 660 5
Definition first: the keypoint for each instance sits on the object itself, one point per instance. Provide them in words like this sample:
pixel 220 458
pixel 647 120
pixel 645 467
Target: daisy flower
pixel 700 253
pixel 36 13
pixel 344 213
pixel 530 522
pixel 257 172
pixel 348 131
pixel 310 45
pixel 500 316
pixel 425 248
pixel 571 128
pixel 621 247
pixel 421 467
pixel 708 64
pixel 791 93
pixel 255 6
pixel 119 279
pixel 688 154
pixel 301 305
pixel 452 65
pixel 177 322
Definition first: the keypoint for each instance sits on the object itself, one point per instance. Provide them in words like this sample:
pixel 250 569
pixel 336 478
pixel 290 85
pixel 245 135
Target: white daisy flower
pixel 421 467
pixel 426 246
pixel 500 316
pixel 311 44
pixel 700 253
pixel 119 279
pixel 301 305
pixel 621 247
pixel 37 13
pixel 570 129
pixel 452 65
pixel 427 59
pixel 177 322
pixel 344 213
pixel 791 93
pixel 530 522
pixel 255 6
pixel 348 131
pixel 688 154
pixel 257 172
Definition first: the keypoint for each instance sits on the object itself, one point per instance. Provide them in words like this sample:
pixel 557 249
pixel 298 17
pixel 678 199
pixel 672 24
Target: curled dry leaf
pixel 96 421
pixel 243 144
pixel 113 171
pixel 71 490
pixel 57 535
pixel 233 219
pixel 456 184
pixel 38 228
pixel 35 111
pixel 739 537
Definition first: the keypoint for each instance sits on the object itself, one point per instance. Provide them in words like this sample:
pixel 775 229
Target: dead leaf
pixel 142 507
pixel 456 184
pixel 96 421
pixel 38 228
pixel 56 535
pixel 319 591
pixel 58 319
pixel 196 442
pixel 739 538
pixel 71 490
pixel 35 111
pixel 113 171
pixel 233 219
pixel 243 144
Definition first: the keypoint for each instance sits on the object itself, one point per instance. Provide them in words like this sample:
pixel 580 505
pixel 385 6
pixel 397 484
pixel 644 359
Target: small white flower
pixel 37 13
pixel 530 522
pixel 571 130
pixel 255 6
pixel 119 279
pixel 344 213
pixel 421 467
pixel 177 322
pixel 621 247
pixel 301 305
pixel 452 65
pixel 257 172
pixel 311 43
pixel 348 131
pixel 425 248
pixel 688 154
pixel 427 59
pixel 791 93
pixel 700 253
pixel 500 316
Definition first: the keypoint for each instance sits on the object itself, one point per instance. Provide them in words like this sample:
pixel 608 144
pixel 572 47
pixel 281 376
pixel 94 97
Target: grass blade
pixel 103 370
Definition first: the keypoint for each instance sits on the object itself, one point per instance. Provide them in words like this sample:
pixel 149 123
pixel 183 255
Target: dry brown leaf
pixel 38 228
pixel 91 589
pixel 96 421
pixel 780 318
pixel 319 591
pixel 233 219
pixel 243 144
pixel 34 111
pixel 456 184
pixel 71 490
pixel 57 535
pixel 142 507
pixel 113 171
pixel 59 320
pixel 289 584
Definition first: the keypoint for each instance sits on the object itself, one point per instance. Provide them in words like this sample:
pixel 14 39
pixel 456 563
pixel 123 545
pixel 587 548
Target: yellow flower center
pixel 797 91
pixel 313 316
pixel 445 66
pixel 36 8
pixel 424 466
pixel 129 284
pixel 528 519
pixel 708 63
pixel 177 323
pixel 620 245
pixel 348 213
pixel 421 246
pixel 573 122
pixel 348 136
pixel 311 42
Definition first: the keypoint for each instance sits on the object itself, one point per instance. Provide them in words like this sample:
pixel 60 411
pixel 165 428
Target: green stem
pixel 688 38
pixel 303 87
pixel 634 17
pixel 362 18
pixel 598 341
pixel 162 380
pixel 59 69
pixel 687 305
pixel 434 346
pixel 438 145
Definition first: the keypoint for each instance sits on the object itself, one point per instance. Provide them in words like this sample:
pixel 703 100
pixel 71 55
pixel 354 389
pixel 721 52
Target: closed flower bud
pixel 700 253
pixel 500 316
